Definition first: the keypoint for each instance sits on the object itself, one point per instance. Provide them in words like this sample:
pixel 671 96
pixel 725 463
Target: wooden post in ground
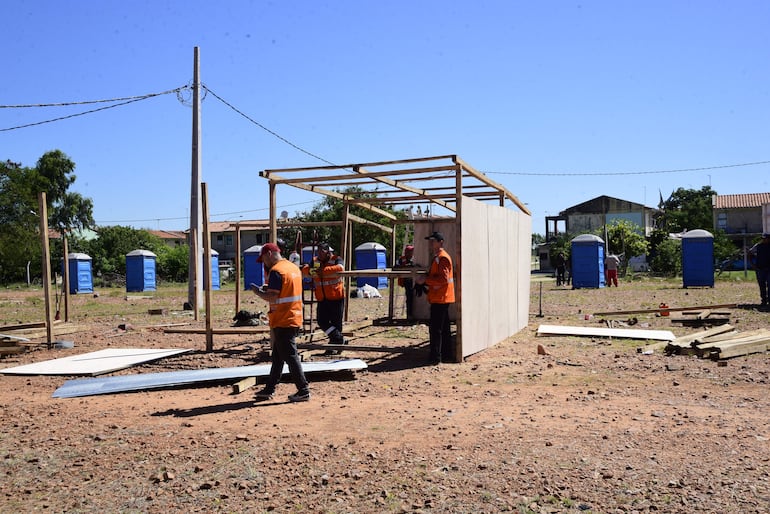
pixel 43 212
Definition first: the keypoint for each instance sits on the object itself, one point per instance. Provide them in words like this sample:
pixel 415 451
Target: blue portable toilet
pixel 214 271
pixel 80 275
pixel 253 271
pixel 140 271
pixel 698 258
pixel 587 255
pixel 371 256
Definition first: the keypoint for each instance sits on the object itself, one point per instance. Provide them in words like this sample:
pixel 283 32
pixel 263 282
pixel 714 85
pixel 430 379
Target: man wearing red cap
pixel 283 293
pixel 404 262
pixel 441 293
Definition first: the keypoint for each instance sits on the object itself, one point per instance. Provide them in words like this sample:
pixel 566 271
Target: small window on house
pixel 722 221
pixel 219 238
pixel 229 240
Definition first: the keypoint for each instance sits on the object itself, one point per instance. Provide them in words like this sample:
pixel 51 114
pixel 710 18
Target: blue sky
pixel 541 96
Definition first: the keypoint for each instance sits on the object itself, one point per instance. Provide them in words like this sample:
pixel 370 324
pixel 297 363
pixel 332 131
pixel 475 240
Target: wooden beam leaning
pixel 638 311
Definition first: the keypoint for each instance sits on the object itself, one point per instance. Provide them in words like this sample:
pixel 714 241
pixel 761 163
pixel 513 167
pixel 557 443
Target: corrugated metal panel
pixel 741 201
pixel 123 383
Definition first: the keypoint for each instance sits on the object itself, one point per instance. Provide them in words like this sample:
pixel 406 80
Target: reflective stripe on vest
pixel 288 299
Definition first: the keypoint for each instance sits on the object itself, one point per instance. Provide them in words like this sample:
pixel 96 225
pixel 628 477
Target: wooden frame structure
pixel 440 183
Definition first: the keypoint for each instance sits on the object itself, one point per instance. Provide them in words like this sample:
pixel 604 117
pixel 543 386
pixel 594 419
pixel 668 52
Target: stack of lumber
pixel 703 318
pixel 721 342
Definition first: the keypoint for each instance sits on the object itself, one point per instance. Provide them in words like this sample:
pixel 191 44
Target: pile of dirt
pixel 587 424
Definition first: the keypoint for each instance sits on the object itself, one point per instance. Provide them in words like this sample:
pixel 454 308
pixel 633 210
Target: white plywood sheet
pixel 626 333
pixel 146 381
pixel 93 363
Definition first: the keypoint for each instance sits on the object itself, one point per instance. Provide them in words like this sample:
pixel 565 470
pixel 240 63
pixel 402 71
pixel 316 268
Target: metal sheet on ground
pixel 125 383
pixel 93 363
pixel 663 335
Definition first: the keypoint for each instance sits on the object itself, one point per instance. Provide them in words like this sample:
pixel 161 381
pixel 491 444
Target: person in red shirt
pixel 441 293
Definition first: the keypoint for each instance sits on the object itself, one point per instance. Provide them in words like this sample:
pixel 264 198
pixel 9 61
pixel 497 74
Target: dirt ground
pixel 589 426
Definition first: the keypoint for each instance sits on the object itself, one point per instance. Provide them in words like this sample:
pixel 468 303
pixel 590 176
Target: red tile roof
pixel 742 201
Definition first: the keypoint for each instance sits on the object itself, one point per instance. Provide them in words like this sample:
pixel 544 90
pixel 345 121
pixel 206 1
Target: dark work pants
pixel 763 280
pixel 441 345
pixel 409 293
pixel 285 351
pixel 330 319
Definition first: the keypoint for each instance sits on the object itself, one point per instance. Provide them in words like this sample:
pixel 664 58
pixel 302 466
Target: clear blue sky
pixel 536 94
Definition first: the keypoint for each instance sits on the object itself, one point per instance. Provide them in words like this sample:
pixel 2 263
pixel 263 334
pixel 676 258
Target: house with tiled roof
pixel 171 238
pixel 253 232
pixel 742 216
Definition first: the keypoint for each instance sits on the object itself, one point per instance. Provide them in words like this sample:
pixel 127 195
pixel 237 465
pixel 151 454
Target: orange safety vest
pixel 286 310
pixel 441 289
pixel 328 284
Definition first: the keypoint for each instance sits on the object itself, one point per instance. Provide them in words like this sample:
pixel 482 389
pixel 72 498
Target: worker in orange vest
pixel 329 291
pixel 441 293
pixel 283 292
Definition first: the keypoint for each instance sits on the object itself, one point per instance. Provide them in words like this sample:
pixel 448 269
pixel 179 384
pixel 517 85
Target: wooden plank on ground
pixel 731 335
pixel 740 350
pixel 22 326
pixel 625 333
pixel 688 339
pixel 219 331
pixel 244 384
pixel 670 309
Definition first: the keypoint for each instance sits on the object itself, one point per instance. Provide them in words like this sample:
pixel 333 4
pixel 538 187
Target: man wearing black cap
pixel 441 293
pixel 283 292
pixel 761 261
pixel 329 291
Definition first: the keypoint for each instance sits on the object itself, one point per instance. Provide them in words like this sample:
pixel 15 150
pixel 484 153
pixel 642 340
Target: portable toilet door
pixel 80 274
pixel 698 258
pixel 214 271
pixel 253 271
pixel 371 256
pixel 140 271
pixel 587 255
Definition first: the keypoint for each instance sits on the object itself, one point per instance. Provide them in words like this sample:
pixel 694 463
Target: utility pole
pixel 195 279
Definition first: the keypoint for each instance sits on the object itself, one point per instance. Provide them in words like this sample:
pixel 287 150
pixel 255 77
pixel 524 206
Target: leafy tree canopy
pixel 330 209
pixel 688 209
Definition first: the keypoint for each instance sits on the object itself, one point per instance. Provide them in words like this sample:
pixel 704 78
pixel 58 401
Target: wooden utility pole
pixel 195 285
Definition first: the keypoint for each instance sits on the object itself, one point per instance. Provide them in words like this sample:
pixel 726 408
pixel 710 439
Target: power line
pixel 84 102
pixel 607 173
pixel 91 111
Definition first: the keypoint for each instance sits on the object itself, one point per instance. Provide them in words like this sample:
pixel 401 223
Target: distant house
pixel 253 232
pixel 595 214
pixel 742 216
pixel 171 238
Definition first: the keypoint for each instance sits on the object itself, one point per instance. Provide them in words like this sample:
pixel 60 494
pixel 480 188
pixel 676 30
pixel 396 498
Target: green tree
pixel 173 263
pixel 625 239
pixel 668 258
pixel 108 251
pixel 331 209
pixel 688 209
pixel 19 188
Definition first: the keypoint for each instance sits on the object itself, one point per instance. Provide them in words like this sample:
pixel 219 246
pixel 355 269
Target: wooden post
pixel 207 266
pixel 346 255
pixel 43 211
pixel 237 267
pixel 457 260
pixel 66 277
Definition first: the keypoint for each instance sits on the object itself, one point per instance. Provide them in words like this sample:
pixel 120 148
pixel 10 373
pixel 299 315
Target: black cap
pixel 438 236
pixel 281 244
pixel 324 246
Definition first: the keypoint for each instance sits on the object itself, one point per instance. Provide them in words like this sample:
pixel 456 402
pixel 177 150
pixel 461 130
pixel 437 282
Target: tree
pixel 19 188
pixel 331 209
pixel 108 251
pixel 625 239
pixel 688 209
pixel 668 258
